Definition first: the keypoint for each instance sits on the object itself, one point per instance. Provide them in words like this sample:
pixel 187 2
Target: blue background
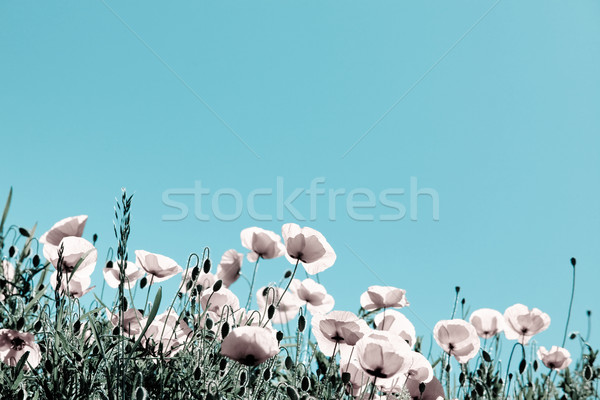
pixel 492 104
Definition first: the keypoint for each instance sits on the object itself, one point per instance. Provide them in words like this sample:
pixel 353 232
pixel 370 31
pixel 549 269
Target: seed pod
pixel 305 385
pixel 20 323
pixel 279 336
pixel 207 266
pixel 271 312
pixel 223 364
pixel 76 327
pixel 301 323
pixel 346 377
pixel 197 373
pixel 522 366
pixel 287 274
pixel 421 387
pixel 225 329
pixel 209 323
pixel 292 394
pixel 243 378
pixel 267 374
pixel 195 273
pixel 217 285
pixel 289 364
pixel 143 282
pixel 486 356
pixel 36 260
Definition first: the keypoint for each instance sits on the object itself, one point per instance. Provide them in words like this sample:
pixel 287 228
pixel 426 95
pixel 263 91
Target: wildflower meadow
pixel 287 340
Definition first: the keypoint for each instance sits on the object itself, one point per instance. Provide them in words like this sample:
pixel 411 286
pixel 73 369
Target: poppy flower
pixel 229 268
pixel 314 295
pixel 420 369
pixel 377 297
pixel 113 275
pixel 309 247
pixel 487 322
pixel 396 322
pixel 133 321
pixel 457 338
pixel 14 344
pixel 261 243
pixel 78 285
pixel 160 267
pixel 250 345
pixel 76 250
pixel 522 324
pixel 71 226
pixel 218 301
pixel 339 331
pixel 359 379
pixel 556 358
pixel 168 330
pixel 433 390
pixel 288 308
pixel 382 355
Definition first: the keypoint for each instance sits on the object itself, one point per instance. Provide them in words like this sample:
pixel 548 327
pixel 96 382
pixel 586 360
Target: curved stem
pixel 288 285
pixel 570 306
pixel 249 302
pixel 148 294
pixel 508 366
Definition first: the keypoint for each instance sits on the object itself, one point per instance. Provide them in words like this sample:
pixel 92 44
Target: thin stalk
pixel 249 302
pixel 570 304
pixel 288 285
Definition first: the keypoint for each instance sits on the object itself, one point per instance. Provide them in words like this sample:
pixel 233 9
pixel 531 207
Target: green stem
pixel 288 285
pixel 249 302
pixel 570 306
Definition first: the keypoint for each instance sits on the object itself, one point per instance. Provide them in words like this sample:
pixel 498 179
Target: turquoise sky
pixel 493 104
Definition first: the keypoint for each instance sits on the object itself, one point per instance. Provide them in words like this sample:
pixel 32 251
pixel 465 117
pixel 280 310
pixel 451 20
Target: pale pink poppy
pixel 230 266
pixel 396 322
pixel 219 301
pixel 314 295
pixel 420 369
pixel 133 321
pixel 78 285
pixel 170 331
pixel 457 338
pixel 288 308
pixel 377 297
pixel 160 267
pixel 250 345
pixel 359 379
pixel 309 247
pixel 14 344
pixel 339 330
pixel 383 355
pixel 261 243
pixel 556 358
pixel 433 390
pixel 522 324
pixel 76 250
pixel 132 274
pixel 206 280
pixel 487 322
pixel 71 226
pixel 8 271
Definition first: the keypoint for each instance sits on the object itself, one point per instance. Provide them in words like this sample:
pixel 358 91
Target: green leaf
pixel 6 207
pixel 19 370
pixel 151 317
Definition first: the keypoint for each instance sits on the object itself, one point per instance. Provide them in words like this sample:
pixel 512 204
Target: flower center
pixel 17 344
